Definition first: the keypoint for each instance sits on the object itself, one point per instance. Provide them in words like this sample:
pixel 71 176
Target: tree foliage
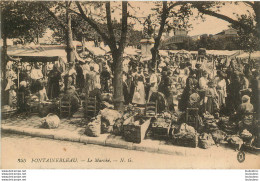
pixel 24 20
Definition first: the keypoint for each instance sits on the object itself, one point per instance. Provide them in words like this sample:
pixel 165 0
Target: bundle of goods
pixel 7 111
pixel 209 122
pixel 118 127
pixel 235 141
pixel 94 127
pixel 207 116
pixel 206 140
pixel 135 128
pixel 51 121
pixel 211 125
pixel 230 127
pixel 161 127
pixel 108 118
pixel 246 136
pixel 186 136
pixel 218 136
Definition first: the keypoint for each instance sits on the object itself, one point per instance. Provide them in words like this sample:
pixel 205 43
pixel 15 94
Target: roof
pixel 37 52
pixel 221 52
pixel 254 55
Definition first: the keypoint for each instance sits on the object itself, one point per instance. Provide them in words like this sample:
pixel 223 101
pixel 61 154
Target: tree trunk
pixel 118 81
pixel 158 38
pixel 69 40
pixel 3 72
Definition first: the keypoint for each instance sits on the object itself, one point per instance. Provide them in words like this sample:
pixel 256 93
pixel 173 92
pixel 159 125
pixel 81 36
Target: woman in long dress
pixel 54 85
pixel 90 80
pixel 139 93
pixel 211 99
pixel 221 90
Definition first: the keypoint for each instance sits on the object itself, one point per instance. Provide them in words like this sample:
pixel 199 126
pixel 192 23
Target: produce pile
pixel 206 140
pixel 211 131
pixel 161 123
pixel 136 122
pixel 227 125
pixel 185 136
pixel 93 128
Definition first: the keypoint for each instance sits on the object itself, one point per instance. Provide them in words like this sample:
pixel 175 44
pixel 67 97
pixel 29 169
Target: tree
pixel 116 47
pixel 62 8
pixel 19 19
pixel 208 9
pixel 179 19
pixel 247 39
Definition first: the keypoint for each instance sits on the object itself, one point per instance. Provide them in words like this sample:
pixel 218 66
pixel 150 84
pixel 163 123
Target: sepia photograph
pixel 130 84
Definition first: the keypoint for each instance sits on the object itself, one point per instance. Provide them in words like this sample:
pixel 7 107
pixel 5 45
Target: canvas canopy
pixel 254 55
pixel 221 52
pixel 37 53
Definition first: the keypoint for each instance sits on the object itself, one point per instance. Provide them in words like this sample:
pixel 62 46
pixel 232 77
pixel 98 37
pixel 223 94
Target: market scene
pixel 166 85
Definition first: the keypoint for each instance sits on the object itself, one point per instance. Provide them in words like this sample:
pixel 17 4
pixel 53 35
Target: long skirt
pixel 139 94
pixel 35 87
pixel 221 98
pixel 212 105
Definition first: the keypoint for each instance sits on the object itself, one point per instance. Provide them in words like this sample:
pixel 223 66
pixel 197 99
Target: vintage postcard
pixel 130 84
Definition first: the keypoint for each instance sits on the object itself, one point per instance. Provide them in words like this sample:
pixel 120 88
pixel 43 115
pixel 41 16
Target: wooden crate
pixel 160 132
pixel 135 133
pixel 8 114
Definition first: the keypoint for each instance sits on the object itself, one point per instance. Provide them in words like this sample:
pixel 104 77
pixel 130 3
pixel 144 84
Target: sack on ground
pixel 110 116
pixel 185 129
pixel 235 141
pixel 218 136
pixel 94 127
pixel 206 140
pixel 51 121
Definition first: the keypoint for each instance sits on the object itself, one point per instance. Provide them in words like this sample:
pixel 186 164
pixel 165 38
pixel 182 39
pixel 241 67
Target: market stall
pixel 24 60
pixel 254 55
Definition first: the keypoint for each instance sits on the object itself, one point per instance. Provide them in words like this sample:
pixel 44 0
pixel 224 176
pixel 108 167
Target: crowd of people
pixel 214 85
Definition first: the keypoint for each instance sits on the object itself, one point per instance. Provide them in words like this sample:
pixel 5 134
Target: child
pixel 211 98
